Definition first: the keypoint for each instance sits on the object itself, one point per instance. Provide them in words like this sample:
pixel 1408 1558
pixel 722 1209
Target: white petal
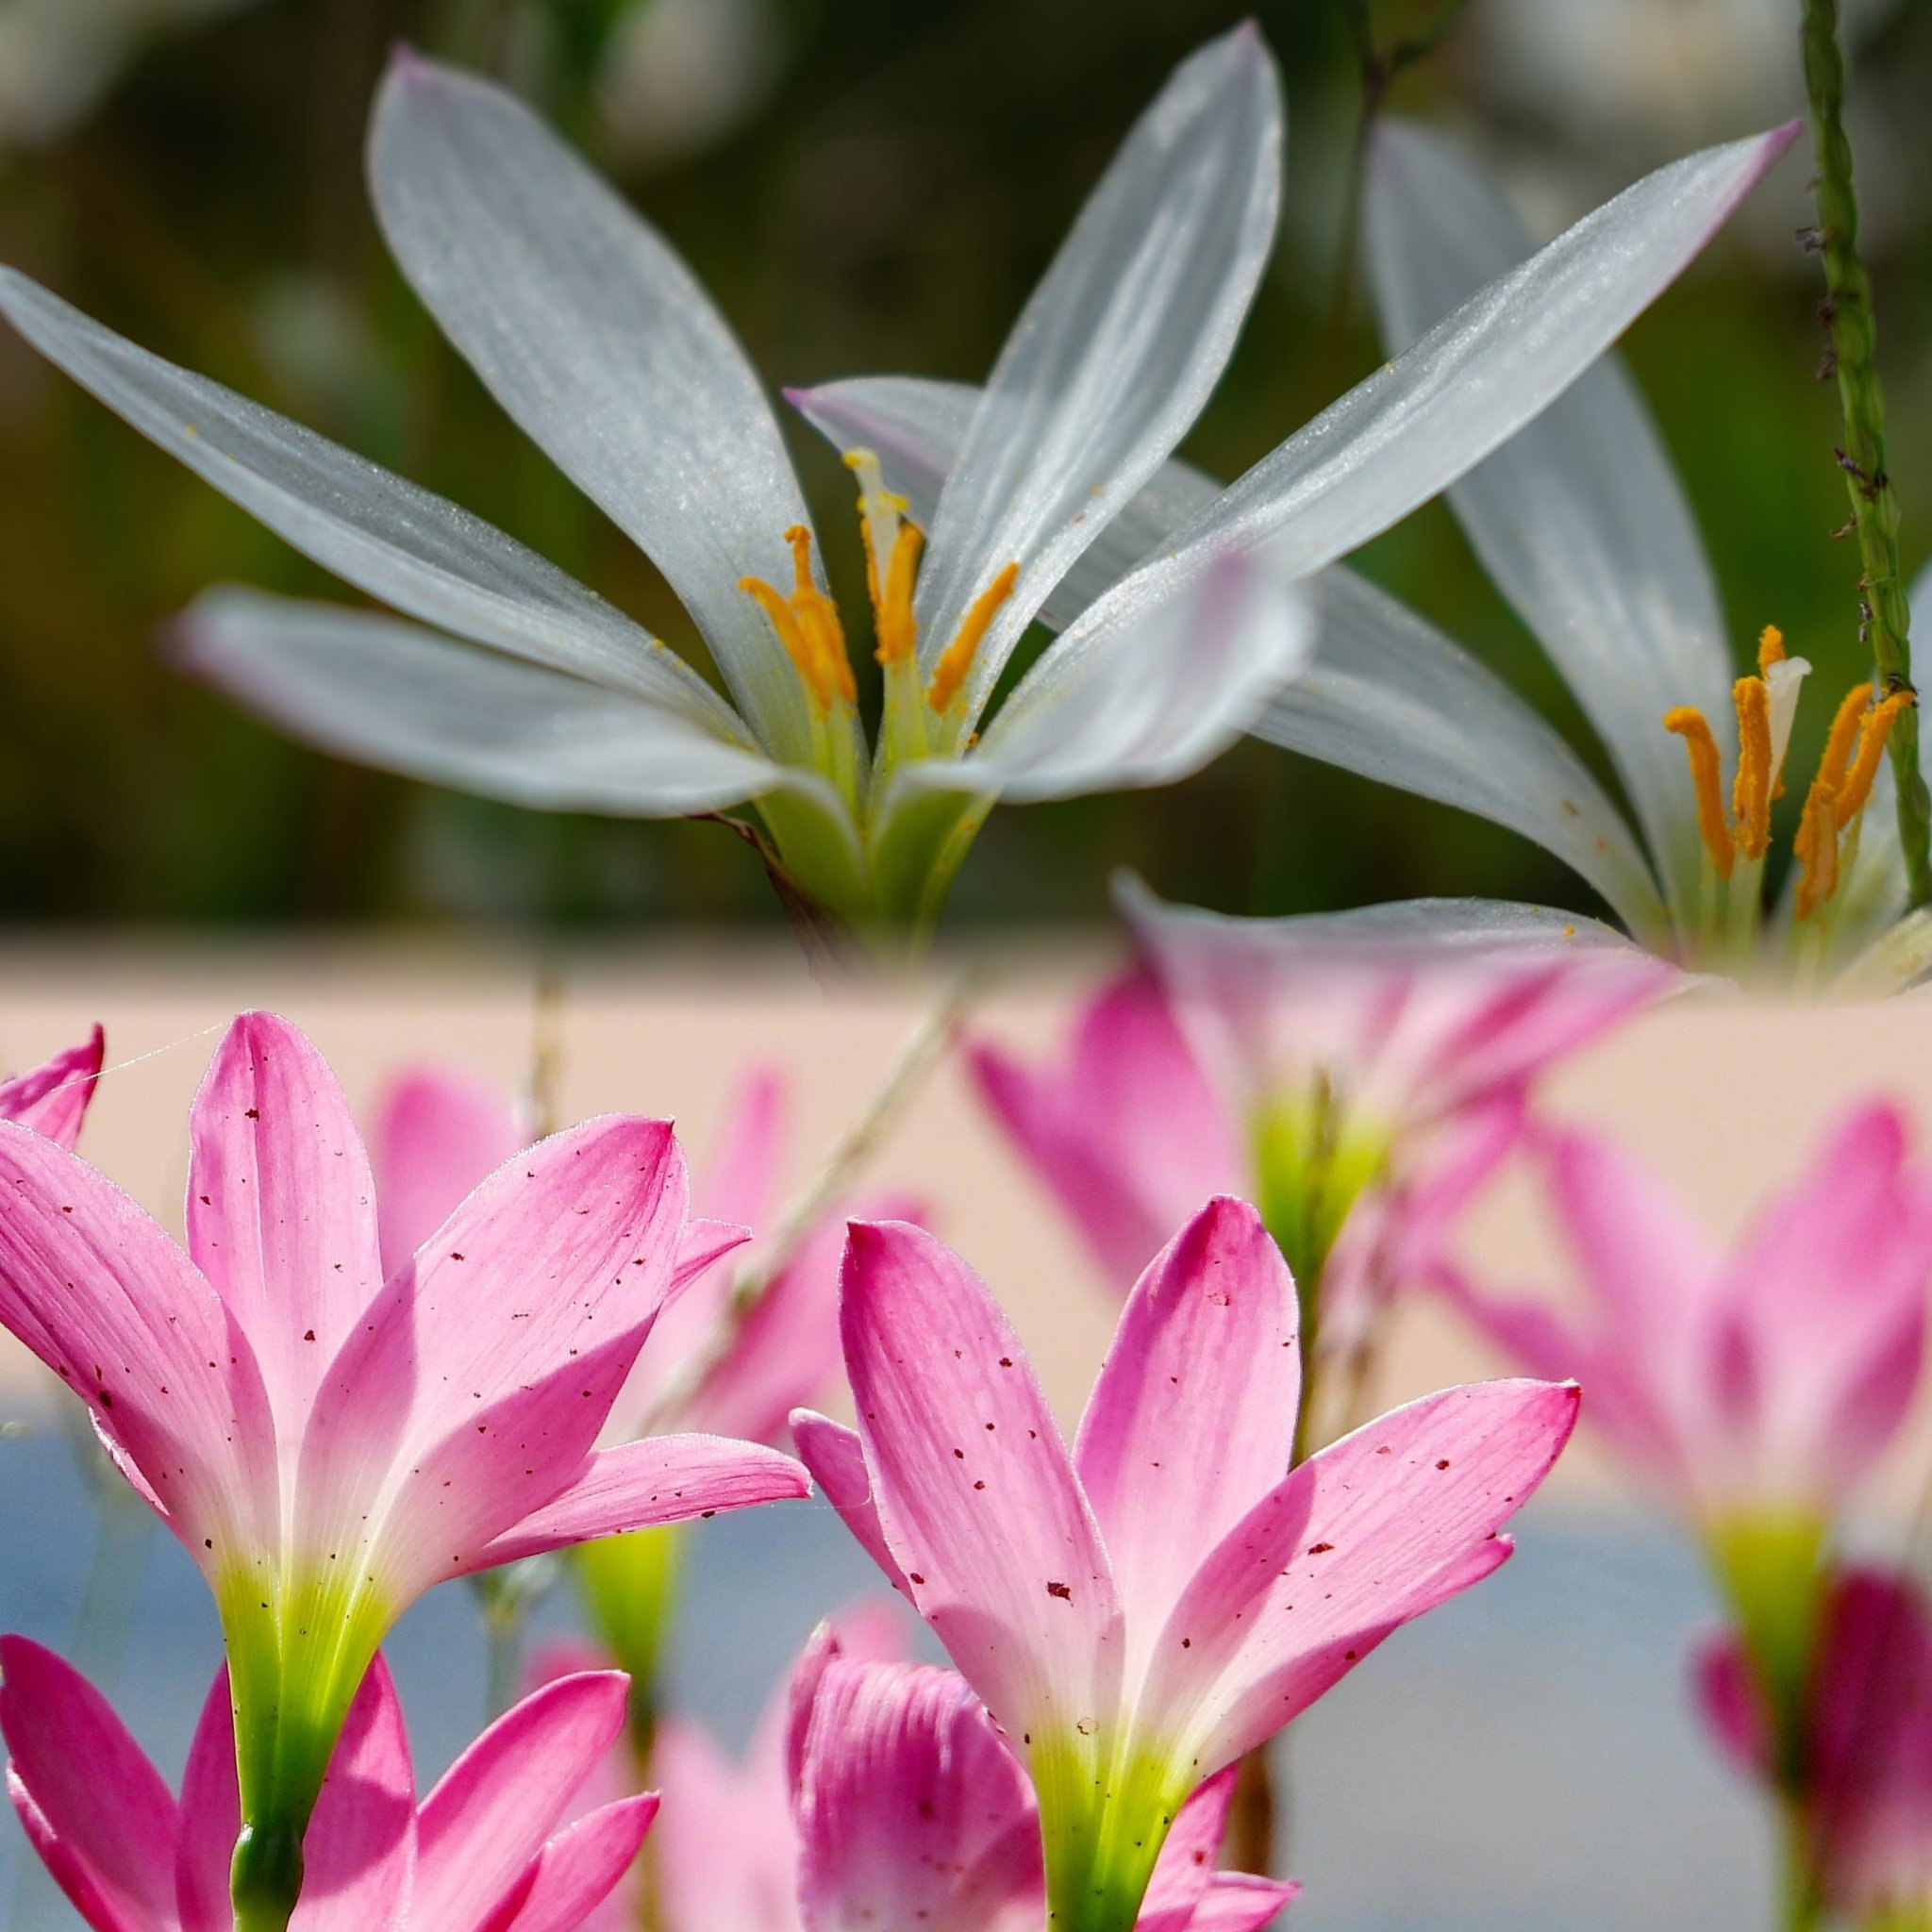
pixel 918 428
pixel 596 336
pixel 1420 422
pixel 411 549
pixel 1394 699
pixel 1118 349
pixel 391 695
pixel 1146 706
pixel 1580 518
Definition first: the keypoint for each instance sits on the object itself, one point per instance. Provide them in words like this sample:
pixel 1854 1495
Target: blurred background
pixel 866 187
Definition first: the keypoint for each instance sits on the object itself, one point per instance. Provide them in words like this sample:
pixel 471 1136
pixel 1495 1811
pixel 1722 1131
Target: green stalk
pixel 1853 332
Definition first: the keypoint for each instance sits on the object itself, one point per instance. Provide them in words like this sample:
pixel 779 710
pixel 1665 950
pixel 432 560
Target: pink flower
pixel 482 1852
pixel 1139 1613
pixel 328 1444
pixel 1761 1381
pixel 1865 1787
pixel 53 1099
pixel 911 1812
pixel 439 1131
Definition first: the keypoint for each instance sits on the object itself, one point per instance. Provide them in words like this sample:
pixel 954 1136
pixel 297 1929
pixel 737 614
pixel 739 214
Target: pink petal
pixel 1381 1526
pixel 360 1853
pixel 1732 1705
pixel 1189 1856
pixel 1240 1902
pixel 836 1458
pixel 1193 1420
pixel 1125 1129
pixel 94 1288
pixel 484 1372
pixel 211 1817
pixel 725 1850
pixel 281 1208
pixel 910 1811
pixel 657 1479
pixel 975 1491
pixel 94 1808
pixel 53 1099
pixel 580 1869
pixel 481 1829
pixel 437 1134
pixel 739 1181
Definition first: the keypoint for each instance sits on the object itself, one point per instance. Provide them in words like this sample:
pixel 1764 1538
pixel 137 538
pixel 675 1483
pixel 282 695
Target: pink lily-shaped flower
pixel 1754 1387
pixel 328 1444
pixel 1859 1792
pixel 1139 1612
pixel 53 1099
pixel 910 1811
pixel 1356 1086
pixel 483 1853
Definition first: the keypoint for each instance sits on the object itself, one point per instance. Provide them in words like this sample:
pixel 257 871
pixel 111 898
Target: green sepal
pixel 629 1587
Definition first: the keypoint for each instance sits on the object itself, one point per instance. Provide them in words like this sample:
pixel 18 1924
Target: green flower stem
pixel 1800 1907
pixel 1854 353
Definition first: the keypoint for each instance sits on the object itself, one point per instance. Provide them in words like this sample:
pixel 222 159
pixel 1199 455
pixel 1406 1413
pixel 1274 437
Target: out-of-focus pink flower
pixel 483 1853
pixel 53 1099
pixel 327 1444
pixel 1765 1379
pixel 1866 1796
pixel 437 1131
pixel 1139 1613
pixel 910 1811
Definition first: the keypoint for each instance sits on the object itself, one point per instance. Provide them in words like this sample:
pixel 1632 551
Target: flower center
pixel 806 622
pixel 1766 708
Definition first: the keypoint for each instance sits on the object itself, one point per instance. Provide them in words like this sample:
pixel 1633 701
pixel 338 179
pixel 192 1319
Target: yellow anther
pixel 1751 788
pixel 897 629
pixel 1707 778
pixel 1816 850
pixel 1841 740
pixel 1873 729
pixel 807 625
pixel 957 662
pixel 1771 648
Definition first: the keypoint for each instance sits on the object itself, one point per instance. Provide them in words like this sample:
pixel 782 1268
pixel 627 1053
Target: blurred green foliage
pixel 883 204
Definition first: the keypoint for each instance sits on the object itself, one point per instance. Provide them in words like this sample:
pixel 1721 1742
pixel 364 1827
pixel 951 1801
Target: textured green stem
pixel 1853 356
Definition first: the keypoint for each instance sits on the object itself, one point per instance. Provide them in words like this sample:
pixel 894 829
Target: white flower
pixel 597 341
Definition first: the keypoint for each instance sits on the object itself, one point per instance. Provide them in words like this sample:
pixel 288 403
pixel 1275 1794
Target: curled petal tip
pixel 406 60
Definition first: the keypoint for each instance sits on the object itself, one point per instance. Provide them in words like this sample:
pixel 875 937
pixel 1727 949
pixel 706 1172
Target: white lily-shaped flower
pixel 597 340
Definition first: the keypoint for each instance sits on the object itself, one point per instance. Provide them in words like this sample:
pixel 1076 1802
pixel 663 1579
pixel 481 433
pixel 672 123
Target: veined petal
pixel 409 700
pixel 1240 1902
pixel 281 1208
pixel 95 1809
pixel 1381 1526
pixel 437 1133
pixel 1193 1420
pixel 1464 390
pixel 483 1826
pixel 580 1868
pixel 1143 702
pixel 472 1392
pixel 1579 519
pixel 917 428
pixel 1124 1129
pixel 359 1852
pixel 94 1288
pixel 654 1480
pixel 1117 350
pixel 975 1491
pixel 910 1811
pixel 412 550
pixel 1391 697
pixel 836 1458
pixel 1186 1893
pixel 592 334
pixel 53 1098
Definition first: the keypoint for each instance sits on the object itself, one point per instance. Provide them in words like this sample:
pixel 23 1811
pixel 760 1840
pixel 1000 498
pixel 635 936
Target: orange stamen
pixel 1751 789
pixel 1842 741
pixel 807 625
pixel 898 631
pixel 1816 850
pixel 1771 648
pixel 957 662
pixel 1707 778
pixel 1873 729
